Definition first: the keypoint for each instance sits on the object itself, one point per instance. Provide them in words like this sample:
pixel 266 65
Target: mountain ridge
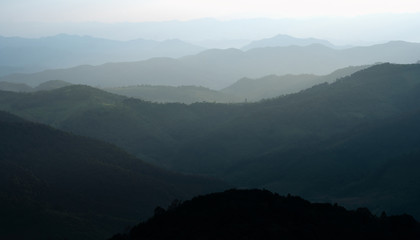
pixel 64 51
pixel 282 40
pixel 286 132
pixel 217 69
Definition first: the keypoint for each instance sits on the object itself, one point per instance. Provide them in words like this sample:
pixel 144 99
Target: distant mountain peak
pixel 282 40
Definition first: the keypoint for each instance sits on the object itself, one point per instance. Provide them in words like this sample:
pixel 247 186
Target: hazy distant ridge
pixel 217 69
pixel 282 40
pixel 62 51
pixel 21 87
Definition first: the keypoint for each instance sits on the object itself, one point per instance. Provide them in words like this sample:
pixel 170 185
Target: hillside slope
pixel 274 86
pixel 180 94
pixel 58 185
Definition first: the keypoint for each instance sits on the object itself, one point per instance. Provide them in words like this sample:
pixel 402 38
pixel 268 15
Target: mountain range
pixel 282 40
pixel 226 33
pixel 138 136
pixel 64 51
pixel 340 140
pixel 243 90
pixel 217 69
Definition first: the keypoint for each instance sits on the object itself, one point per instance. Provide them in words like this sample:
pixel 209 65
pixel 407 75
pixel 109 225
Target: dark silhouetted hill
pixel 260 214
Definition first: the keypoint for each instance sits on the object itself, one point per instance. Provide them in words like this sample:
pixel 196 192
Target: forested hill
pixel 21 87
pixel 243 90
pixel 55 185
pixel 327 142
pixel 237 131
pixel 273 86
pixel 259 214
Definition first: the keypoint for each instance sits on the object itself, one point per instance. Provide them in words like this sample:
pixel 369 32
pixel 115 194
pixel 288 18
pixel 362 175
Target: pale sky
pixel 163 10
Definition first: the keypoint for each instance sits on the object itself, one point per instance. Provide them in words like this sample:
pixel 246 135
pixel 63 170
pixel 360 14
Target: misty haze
pixel 209 120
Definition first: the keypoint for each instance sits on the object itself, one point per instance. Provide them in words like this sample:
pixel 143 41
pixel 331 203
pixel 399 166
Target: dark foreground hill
pixel 260 214
pixel 55 185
